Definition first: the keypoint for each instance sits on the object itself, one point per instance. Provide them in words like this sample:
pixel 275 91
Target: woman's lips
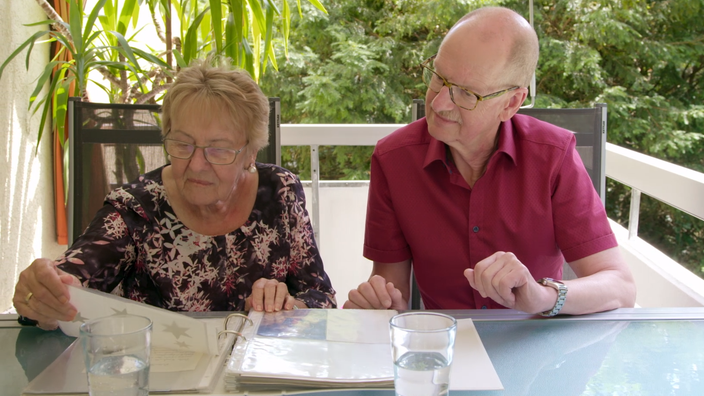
pixel 199 182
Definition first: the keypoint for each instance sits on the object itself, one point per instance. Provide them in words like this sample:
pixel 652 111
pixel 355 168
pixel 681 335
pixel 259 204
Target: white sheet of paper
pixel 169 329
pixel 471 367
pixel 166 360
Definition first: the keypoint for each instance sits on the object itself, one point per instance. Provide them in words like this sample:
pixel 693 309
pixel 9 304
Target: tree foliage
pixel 645 59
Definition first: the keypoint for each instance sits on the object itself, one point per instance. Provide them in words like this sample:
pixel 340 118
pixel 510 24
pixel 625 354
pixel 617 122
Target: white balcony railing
pixel 338 212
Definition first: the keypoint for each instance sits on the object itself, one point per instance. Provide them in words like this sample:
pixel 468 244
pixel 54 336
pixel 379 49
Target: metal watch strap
pixel 561 295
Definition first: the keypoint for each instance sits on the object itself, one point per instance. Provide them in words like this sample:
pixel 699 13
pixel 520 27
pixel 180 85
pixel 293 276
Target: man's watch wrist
pixel 561 289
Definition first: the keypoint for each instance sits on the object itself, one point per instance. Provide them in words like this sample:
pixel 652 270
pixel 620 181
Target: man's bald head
pixel 512 40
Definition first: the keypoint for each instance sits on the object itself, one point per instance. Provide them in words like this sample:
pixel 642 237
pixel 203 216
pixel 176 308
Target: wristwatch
pixel 561 295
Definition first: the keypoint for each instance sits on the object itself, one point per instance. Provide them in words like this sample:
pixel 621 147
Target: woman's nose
pixel 198 160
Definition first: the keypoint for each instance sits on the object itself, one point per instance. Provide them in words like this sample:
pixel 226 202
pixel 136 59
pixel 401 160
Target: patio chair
pixel 112 144
pixel 589 127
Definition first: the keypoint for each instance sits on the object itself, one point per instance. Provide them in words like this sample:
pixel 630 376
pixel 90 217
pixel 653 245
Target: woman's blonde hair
pixel 220 86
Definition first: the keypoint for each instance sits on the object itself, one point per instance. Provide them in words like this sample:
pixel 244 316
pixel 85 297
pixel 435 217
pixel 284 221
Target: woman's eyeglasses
pixel 214 155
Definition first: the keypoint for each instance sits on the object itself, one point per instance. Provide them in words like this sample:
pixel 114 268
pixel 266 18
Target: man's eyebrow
pixel 462 87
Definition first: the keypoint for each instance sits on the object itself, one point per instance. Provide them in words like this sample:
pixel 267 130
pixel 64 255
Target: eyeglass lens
pixel 458 95
pixel 214 155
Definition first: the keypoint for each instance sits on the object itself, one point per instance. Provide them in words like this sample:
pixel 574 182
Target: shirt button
pixel 484 307
pixel 475 229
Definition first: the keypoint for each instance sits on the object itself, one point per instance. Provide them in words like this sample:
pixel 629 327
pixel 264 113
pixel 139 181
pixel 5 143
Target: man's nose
pixel 443 100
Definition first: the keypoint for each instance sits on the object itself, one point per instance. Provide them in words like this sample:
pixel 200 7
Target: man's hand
pixel 41 294
pixel 271 295
pixel 504 279
pixel 376 293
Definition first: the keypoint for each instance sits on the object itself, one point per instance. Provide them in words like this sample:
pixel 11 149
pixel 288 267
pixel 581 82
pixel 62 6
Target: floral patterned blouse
pixel 137 248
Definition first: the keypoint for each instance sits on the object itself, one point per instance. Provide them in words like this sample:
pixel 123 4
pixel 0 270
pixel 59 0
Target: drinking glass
pixel 422 345
pixel 116 351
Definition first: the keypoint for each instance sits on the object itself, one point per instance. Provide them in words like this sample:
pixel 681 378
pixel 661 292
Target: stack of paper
pixel 290 351
pixel 312 348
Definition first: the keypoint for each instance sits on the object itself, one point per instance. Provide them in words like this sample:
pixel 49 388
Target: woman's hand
pixel 271 295
pixel 41 294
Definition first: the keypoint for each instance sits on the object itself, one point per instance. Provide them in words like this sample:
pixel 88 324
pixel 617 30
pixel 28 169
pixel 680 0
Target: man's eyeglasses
pixel 462 97
pixel 214 155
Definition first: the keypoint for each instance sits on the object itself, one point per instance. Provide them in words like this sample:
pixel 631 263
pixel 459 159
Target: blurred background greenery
pixel 645 59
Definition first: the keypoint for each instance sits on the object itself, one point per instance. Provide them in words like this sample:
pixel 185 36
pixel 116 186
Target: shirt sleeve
pixel 384 241
pixel 581 225
pixel 307 280
pixel 103 254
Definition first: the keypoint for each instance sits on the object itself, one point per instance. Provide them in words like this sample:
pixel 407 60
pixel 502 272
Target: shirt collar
pixel 507 141
pixel 437 150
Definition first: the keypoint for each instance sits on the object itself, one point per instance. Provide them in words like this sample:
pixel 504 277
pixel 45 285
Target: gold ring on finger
pixel 29 297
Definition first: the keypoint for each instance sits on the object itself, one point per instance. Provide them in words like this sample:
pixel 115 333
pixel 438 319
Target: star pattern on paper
pixel 119 312
pixel 182 344
pixel 79 318
pixel 176 330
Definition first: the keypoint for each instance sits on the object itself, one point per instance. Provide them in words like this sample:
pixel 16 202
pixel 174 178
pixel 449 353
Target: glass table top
pixel 602 355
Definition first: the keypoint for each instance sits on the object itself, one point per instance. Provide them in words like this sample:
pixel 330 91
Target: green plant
pixel 81 42
pixel 242 30
pixel 101 40
pixel 645 59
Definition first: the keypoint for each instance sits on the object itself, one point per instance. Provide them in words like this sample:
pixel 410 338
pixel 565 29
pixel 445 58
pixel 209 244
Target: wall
pixel 342 216
pixel 26 192
pixel 660 281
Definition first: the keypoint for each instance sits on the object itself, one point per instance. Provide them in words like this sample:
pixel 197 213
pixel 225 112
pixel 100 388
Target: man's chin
pixel 439 127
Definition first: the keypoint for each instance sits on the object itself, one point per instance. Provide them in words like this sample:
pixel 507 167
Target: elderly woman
pixel 212 231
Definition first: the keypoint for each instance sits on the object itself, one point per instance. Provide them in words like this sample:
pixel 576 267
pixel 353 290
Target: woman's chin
pixel 199 198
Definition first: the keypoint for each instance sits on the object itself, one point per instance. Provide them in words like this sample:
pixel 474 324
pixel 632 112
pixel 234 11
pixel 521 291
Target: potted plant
pixel 96 40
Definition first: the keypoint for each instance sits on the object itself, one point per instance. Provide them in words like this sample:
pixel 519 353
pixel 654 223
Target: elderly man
pixel 485 204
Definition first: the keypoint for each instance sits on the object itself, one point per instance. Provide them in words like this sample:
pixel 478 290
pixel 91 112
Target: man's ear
pixel 515 101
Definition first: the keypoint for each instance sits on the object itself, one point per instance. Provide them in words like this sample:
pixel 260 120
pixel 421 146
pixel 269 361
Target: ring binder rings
pixel 244 319
pixel 237 333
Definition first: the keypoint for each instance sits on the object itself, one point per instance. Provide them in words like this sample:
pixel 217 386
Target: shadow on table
pixel 35 349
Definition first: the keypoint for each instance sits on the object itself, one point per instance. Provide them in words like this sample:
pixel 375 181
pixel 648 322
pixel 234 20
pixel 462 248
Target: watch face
pixel 561 295
pixel 548 282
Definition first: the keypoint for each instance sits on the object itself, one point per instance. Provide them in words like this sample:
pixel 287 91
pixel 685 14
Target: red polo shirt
pixel 535 200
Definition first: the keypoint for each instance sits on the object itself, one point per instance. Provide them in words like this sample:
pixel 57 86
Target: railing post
pixel 634 214
pixel 315 181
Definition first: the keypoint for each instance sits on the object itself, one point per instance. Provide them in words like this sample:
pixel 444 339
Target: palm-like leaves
pixel 242 30
pixel 81 41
